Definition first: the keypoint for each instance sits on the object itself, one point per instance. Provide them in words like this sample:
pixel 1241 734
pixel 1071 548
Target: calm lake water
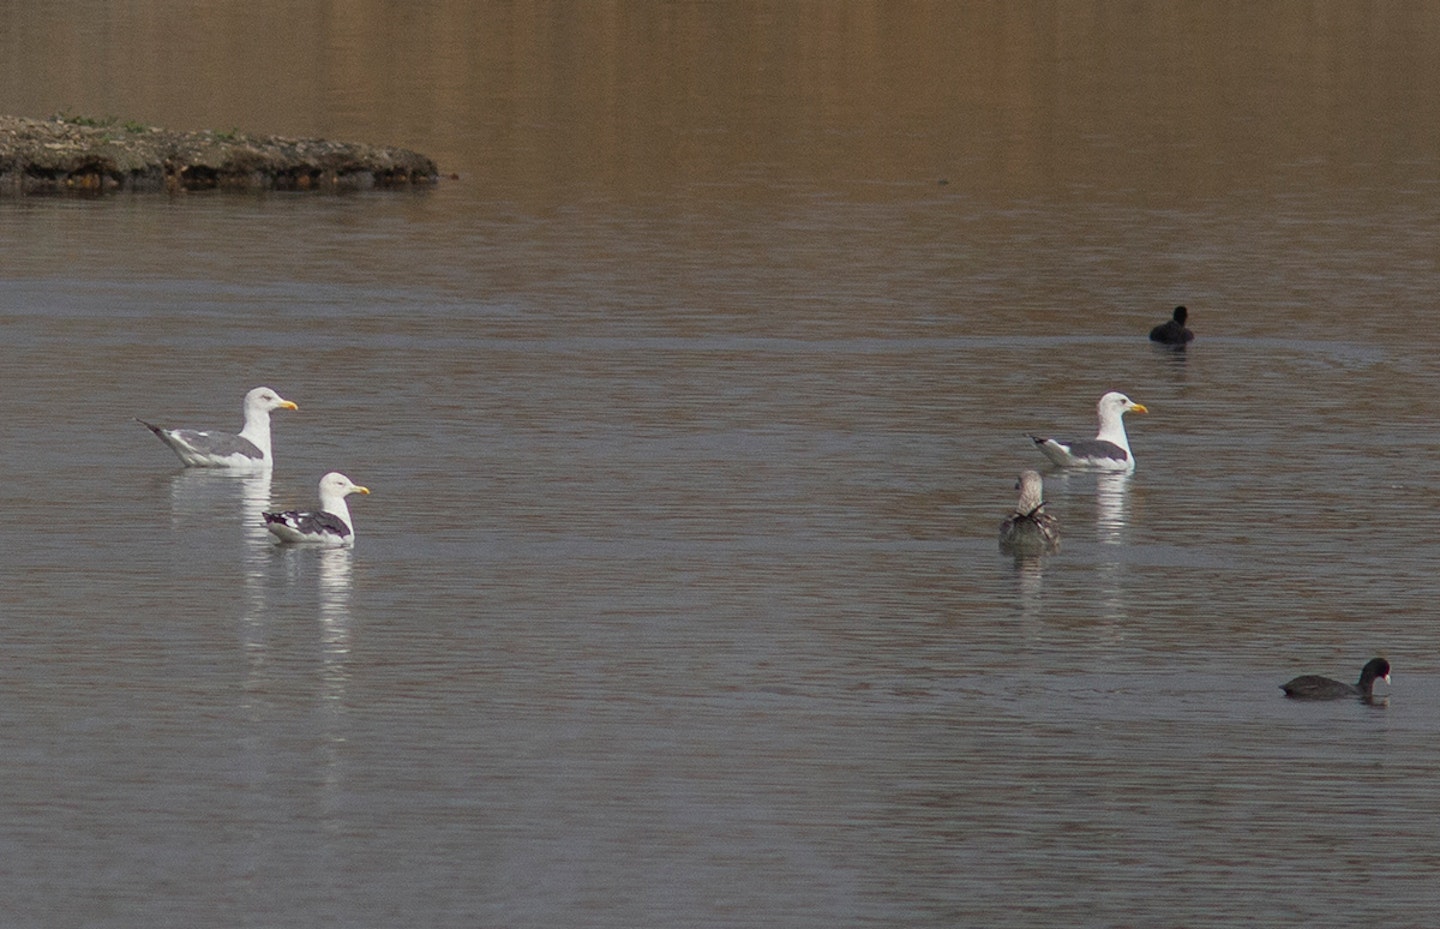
pixel 691 408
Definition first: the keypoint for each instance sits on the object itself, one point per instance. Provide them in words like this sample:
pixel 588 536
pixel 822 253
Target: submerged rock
pixel 66 153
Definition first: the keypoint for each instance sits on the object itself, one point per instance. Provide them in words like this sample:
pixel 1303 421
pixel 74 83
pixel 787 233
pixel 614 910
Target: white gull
pixel 208 448
pixel 329 525
pixel 1108 451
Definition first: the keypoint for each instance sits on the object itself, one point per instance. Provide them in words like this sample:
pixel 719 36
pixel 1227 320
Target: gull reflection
pixel 1112 507
pixel 223 506
pixel 335 579
pixel 254 499
pixel 217 496
pixel 1112 515
pixel 334 585
pixel 1029 581
pixel 205 494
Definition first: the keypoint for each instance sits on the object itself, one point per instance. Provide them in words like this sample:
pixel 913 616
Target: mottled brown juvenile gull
pixel 248 449
pixel 1108 451
pixel 1315 687
pixel 329 525
pixel 1173 331
pixel 1029 530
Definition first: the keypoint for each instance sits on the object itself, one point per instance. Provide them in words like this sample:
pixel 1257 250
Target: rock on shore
pixel 65 153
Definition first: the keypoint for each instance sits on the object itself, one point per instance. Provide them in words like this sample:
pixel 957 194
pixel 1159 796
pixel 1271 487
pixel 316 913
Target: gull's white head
pixel 264 399
pixel 336 486
pixel 1115 404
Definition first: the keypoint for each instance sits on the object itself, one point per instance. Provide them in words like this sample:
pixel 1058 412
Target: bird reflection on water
pixel 1112 507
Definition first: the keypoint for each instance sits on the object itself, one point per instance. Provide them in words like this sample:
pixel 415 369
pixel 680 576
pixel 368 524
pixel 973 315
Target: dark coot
pixel 1174 331
pixel 1315 687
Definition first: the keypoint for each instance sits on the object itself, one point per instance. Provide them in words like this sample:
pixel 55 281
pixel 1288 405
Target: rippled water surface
pixel 689 424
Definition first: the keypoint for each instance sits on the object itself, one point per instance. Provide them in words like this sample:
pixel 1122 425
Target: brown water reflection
pixel 1156 103
pixel 691 410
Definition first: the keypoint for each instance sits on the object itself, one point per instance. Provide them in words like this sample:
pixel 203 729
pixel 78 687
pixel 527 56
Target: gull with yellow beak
pixel 329 525
pixel 1108 451
pixel 250 449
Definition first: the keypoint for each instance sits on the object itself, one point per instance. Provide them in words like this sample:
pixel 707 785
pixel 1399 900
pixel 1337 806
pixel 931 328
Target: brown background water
pixel 691 409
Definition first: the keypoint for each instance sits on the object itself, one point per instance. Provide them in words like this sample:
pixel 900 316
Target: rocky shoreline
pixel 68 154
